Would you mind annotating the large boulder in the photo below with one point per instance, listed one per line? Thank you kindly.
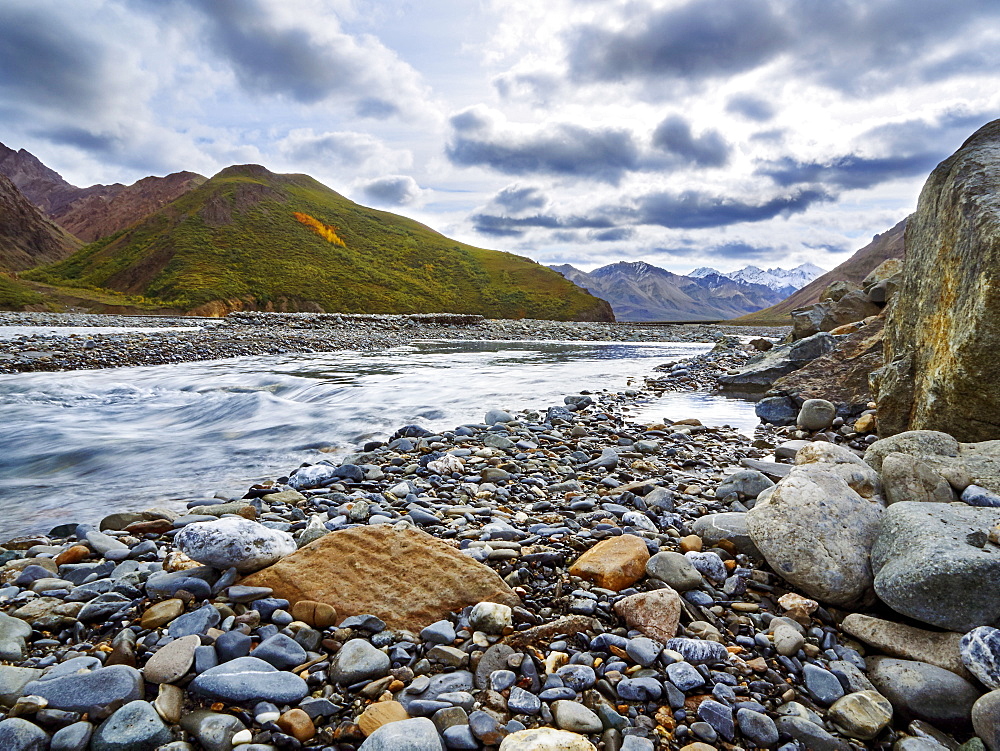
(407, 578)
(942, 344)
(841, 375)
(932, 562)
(920, 691)
(763, 370)
(816, 527)
(960, 464)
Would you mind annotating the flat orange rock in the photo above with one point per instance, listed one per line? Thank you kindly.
(657, 613)
(614, 563)
(403, 576)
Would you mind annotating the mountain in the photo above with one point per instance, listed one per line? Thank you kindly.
(643, 292)
(887, 245)
(785, 281)
(101, 213)
(250, 239)
(27, 238)
(94, 212)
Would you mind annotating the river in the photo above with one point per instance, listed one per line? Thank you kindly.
(78, 445)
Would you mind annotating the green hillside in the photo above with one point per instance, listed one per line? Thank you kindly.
(236, 242)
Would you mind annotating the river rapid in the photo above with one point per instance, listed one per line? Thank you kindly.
(75, 446)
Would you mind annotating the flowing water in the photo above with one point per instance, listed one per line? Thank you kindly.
(75, 446)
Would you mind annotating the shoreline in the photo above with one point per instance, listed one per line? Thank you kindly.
(220, 339)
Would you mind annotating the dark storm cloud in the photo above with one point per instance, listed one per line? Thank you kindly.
(81, 138)
(47, 63)
(674, 136)
(616, 234)
(696, 210)
(751, 107)
(702, 39)
(848, 172)
(396, 190)
(741, 250)
(855, 47)
(509, 226)
(268, 59)
(604, 154)
(516, 199)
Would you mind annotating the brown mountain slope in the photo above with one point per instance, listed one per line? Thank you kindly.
(882, 247)
(27, 238)
(94, 212)
(102, 213)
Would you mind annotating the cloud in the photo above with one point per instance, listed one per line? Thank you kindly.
(483, 138)
(848, 172)
(698, 210)
(698, 40)
(674, 136)
(615, 234)
(392, 190)
(515, 198)
(751, 107)
(505, 226)
(342, 151)
(304, 56)
(853, 47)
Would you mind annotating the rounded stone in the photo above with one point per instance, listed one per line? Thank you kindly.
(674, 569)
(356, 661)
(417, 734)
(986, 719)
(816, 414)
(920, 691)
(491, 617)
(545, 739)
(234, 543)
(134, 727)
(18, 734)
(863, 714)
(573, 716)
(172, 661)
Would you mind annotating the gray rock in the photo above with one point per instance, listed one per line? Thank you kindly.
(213, 730)
(816, 531)
(684, 675)
(196, 622)
(249, 679)
(573, 716)
(730, 525)
(765, 369)
(810, 735)
(908, 478)
(98, 692)
(699, 650)
(926, 568)
(171, 661)
(72, 737)
(134, 727)
(281, 651)
(816, 414)
(777, 410)
(748, 483)
(674, 569)
(980, 650)
(101, 543)
(660, 498)
(821, 684)
(418, 734)
(863, 714)
(17, 734)
(975, 495)
(497, 415)
(986, 719)
(920, 691)
(234, 543)
(358, 660)
(923, 444)
(13, 680)
(757, 727)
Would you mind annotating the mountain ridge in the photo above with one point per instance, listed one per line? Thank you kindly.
(639, 291)
(236, 242)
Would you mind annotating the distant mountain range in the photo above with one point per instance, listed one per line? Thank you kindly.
(640, 291)
(785, 281)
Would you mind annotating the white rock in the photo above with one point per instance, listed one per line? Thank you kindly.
(230, 542)
(491, 617)
(545, 739)
(242, 738)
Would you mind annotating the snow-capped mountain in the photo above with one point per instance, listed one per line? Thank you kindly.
(785, 281)
(640, 291)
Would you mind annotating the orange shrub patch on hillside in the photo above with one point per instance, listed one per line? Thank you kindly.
(325, 231)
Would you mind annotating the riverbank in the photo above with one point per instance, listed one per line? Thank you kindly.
(270, 335)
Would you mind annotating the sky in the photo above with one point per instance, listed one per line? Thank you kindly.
(682, 133)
